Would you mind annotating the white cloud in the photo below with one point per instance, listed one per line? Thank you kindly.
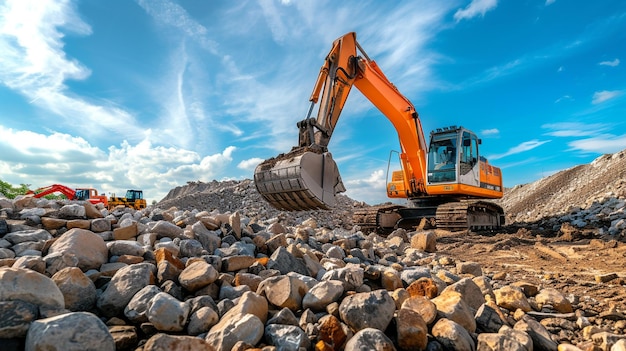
(171, 14)
(563, 98)
(489, 132)
(274, 20)
(250, 164)
(40, 160)
(550, 2)
(475, 8)
(523, 147)
(602, 144)
(494, 73)
(372, 190)
(604, 95)
(613, 63)
(573, 129)
(34, 64)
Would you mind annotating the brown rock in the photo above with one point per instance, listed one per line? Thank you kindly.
(197, 275)
(332, 332)
(529, 289)
(164, 254)
(125, 336)
(554, 298)
(452, 306)
(251, 280)
(78, 223)
(237, 262)
(129, 259)
(425, 241)
(422, 306)
(424, 286)
(603, 278)
(390, 280)
(91, 211)
(284, 291)
(165, 342)
(79, 292)
(53, 223)
(125, 233)
(411, 329)
(512, 298)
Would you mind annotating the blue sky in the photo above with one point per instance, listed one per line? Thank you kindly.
(151, 94)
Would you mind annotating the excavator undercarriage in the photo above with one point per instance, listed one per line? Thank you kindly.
(452, 216)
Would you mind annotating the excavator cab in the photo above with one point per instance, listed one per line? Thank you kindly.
(82, 194)
(442, 156)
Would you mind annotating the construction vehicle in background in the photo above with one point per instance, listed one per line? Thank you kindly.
(134, 199)
(445, 183)
(79, 194)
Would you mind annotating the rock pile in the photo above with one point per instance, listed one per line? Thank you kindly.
(585, 196)
(242, 196)
(77, 277)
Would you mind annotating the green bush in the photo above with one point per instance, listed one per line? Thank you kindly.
(10, 192)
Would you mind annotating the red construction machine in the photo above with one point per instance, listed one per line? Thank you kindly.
(79, 194)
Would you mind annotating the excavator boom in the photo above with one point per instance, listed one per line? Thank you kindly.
(307, 177)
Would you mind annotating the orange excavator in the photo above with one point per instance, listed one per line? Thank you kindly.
(445, 184)
(80, 194)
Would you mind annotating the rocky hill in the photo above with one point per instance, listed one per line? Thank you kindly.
(592, 194)
(242, 196)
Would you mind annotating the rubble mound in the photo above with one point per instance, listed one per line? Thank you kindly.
(585, 195)
(241, 196)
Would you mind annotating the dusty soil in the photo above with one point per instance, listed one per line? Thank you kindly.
(573, 267)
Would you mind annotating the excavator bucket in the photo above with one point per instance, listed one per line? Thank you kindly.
(298, 181)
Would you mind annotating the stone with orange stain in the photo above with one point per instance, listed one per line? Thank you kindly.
(423, 287)
(332, 333)
(263, 260)
(163, 254)
(130, 259)
(323, 346)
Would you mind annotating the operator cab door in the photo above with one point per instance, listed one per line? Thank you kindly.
(469, 167)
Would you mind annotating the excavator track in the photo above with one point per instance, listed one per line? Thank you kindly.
(452, 216)
(378, 219)
(466, 215)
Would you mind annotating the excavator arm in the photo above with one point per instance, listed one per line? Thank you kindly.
(47, 190)
(307, 177)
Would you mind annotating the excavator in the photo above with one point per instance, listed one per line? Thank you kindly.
(447, 184)
(80, 194)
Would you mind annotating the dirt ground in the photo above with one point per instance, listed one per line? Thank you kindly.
(579, 267)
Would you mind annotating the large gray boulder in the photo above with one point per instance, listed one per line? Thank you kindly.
(89, 248)
(76, 331)
(368, 310)
(29, 286)
(123, 286)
